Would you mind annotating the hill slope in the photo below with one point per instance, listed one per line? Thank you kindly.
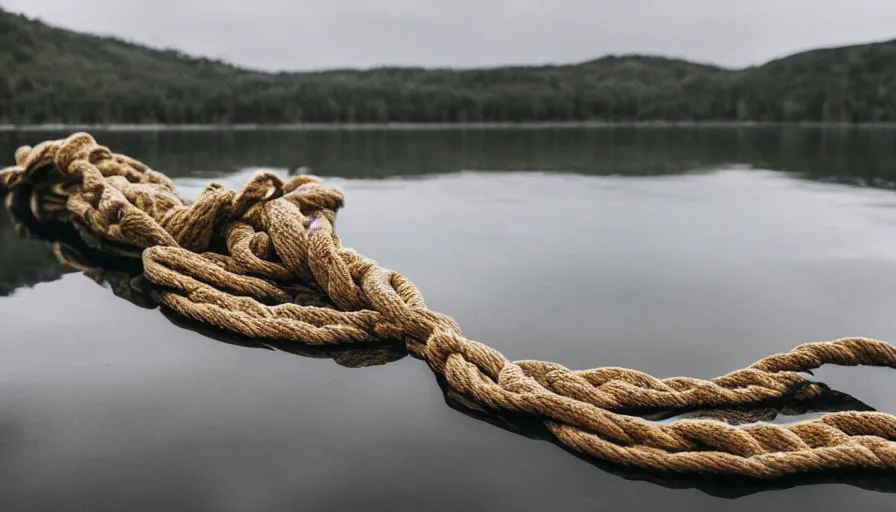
(55, 75)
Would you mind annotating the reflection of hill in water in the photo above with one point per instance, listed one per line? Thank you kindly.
(846, 153)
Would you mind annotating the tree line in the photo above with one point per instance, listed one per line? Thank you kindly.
(58, 76)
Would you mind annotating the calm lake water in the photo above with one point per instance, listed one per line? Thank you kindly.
(676, 251)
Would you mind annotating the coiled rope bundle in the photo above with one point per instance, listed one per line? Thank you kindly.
(266, 263)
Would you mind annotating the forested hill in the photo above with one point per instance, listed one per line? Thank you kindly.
(50, 75)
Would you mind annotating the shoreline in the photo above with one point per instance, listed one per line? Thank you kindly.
(297, 127)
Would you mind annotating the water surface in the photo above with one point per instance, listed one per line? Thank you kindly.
(676, 251)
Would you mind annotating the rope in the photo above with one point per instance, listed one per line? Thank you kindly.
(39, 220)
(244, 261)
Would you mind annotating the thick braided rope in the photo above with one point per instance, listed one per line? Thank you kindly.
(244, 261)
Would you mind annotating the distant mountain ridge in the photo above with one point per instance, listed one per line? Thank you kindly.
(52, 75)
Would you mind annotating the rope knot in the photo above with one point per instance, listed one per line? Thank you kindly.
(77, 147)
(444, 344)
(263, 187)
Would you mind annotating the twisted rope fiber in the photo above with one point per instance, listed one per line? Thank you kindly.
(245, 261)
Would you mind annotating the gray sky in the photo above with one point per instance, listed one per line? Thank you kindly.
(315, 34)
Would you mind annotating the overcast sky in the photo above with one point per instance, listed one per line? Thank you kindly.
(315, 34)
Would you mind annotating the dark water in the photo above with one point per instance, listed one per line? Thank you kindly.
(673, 251)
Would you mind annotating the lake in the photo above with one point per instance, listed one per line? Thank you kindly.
(676, 251)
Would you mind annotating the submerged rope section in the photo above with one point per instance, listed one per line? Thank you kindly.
(265, 263)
